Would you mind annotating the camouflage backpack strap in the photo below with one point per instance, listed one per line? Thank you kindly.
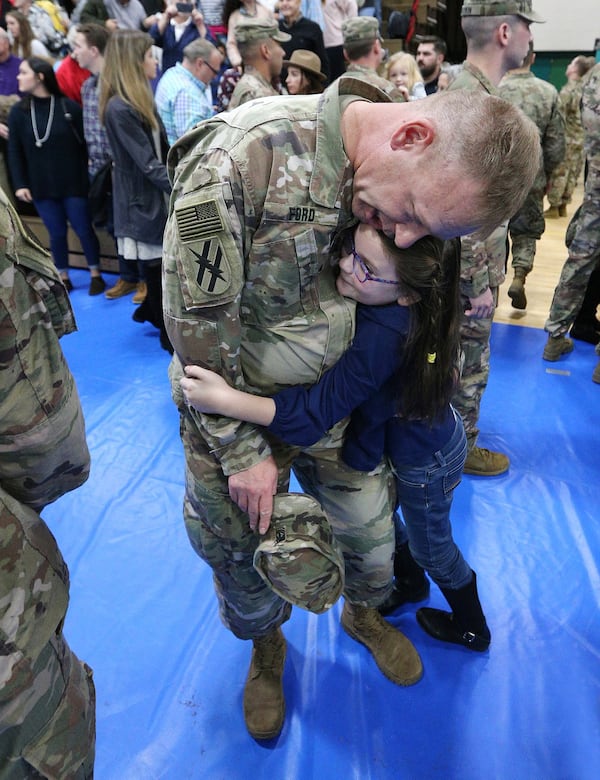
(20, 248)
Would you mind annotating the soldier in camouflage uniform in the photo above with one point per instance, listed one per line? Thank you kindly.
(364, 52)
(584, 248)
(47, 701)
(539, 100)
(498, 38)
(565, 177)
(262, 57)
(249, 291)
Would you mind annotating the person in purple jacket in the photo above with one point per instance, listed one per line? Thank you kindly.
(395, 380)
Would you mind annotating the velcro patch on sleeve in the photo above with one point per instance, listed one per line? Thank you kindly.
(210, 262)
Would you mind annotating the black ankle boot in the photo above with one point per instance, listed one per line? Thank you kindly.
(410, 582)
(465, 625)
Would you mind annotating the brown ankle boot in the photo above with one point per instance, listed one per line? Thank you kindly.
(516, 291)
(393, 653)
(552, 212)
(264, 704)
(562, 210)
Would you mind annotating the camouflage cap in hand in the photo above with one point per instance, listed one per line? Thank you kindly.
(501, 8)
(259, 30)
(360, 28)
(298, 557)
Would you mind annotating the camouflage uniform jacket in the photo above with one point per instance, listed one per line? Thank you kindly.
(43, 454)
(539, 101)
(569, 101)
(249, 87)
(372, 77)
(249, 288)
(590, 119)
(482, 262)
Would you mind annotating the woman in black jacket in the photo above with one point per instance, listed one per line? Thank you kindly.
(139, 145)
(47, 159)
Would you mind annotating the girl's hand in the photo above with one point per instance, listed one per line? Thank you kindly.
(204, 390)
(24, 194)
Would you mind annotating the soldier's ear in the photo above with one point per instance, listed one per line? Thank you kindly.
(413, 133)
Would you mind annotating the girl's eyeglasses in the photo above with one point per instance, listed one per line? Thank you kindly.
(360, 270)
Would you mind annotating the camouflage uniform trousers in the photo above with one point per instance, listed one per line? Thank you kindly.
(60, 746)
(525, 229)
(584, 255)
(359, 507)
(475, 344)
(564, 178)
(47, 695)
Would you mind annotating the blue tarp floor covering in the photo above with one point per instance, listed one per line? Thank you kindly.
(170, 677)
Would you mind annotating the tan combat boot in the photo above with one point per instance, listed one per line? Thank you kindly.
(552, 212)
(120, 289)
(485, 463)
(556, 346)
(393, 653)
(264, 705)
(562, 210)
(140, 293)
(516, 291)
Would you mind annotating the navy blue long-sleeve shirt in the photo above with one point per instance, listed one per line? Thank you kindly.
(364, 383)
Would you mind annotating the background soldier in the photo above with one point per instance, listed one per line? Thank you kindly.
(47, 702)
(498, 37)
(364, 52)
(584, 248)
(262, 59)
(565, 177)
(539, 100)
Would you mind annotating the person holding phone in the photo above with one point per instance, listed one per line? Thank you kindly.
(180, 24)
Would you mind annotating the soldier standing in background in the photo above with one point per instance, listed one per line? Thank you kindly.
(584, 248)
(498, 38)
(364, 52)
(565, 177)
(47, 699)
(539, 101)
(262, 60)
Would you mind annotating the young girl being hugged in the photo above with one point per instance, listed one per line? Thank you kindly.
(402, 70)
(408, 307)
(139, 146)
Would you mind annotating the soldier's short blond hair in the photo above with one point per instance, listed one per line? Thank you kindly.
(493, 143)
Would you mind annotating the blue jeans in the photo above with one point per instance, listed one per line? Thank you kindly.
(54, 213)
(425, 496)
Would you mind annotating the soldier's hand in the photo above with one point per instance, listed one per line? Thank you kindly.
(253, 490)
(481, 307)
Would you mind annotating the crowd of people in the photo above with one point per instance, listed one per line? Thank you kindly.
(271, 180)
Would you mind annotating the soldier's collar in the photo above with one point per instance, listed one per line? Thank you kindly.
(331, 161)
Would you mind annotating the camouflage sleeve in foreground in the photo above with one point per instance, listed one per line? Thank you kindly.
(43, 451)
(47, 699)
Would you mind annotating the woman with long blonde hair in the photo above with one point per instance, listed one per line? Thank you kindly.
(140, 183)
